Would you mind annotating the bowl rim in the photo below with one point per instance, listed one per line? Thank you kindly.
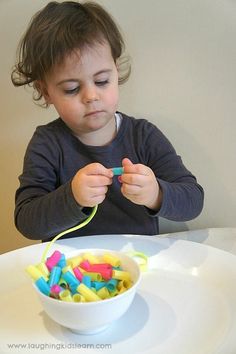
(93, 303)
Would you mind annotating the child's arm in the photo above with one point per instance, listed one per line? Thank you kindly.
(65, 206)
(178, 201)
(158, 175)
(45, 202)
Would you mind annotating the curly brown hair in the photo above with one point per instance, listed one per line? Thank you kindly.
(56, 31)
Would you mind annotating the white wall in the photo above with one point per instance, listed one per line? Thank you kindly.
(183, 80)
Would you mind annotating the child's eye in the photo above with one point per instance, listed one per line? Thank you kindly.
(71, 91)
(102, 83)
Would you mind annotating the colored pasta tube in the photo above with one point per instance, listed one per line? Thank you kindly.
(91, 258)
(104, 269)
(88, 294)
(124, 284)
(65, 295)
(73, 288)
(99, 267)
(98, 285)
(87, 281)
(120, 275)
(44, 270)
(103, 293)
(122, 290)
(67, 269)
(112, 284)
(117, 171)
(78, 273)
(43, 286)
(62, 283)
(53, 259)
(113, 293)
(70, 279)
(54, 276)
(34, 272)
(111, 259)
(94, 276)
(74, 261)
(62, 262)
(56, 289)
(78, 298)
(85, 265)
(106, 274)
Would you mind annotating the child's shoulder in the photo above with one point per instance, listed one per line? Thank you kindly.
(140, 124)
(54, 131)
(57, 124)
(54, 128)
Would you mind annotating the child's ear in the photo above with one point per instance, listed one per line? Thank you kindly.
(118, 69)
(41, 87)
(117, 65)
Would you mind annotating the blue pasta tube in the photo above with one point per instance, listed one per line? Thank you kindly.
(54, 276)
(70, 278)
(87, 281)
(112, 284)
(43, 286)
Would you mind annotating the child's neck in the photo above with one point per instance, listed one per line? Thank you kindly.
(100, 137)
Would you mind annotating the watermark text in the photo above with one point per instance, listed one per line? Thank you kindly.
(57, 346)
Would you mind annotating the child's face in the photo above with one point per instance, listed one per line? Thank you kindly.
(84, 90)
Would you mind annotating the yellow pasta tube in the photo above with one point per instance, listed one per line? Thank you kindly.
(34, 272)
(78, 298)
(122, 290)
(65, 295)
(74, 261)
(94, 276)
(120, 275)
(103, 293)
(62, 283)
(44, 270)
(67, 268)
(111, 259)
(124, 284)
(88, 294)
(91, 258)
(114, 293)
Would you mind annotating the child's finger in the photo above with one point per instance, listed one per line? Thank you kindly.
(130, 167)
(98, 180)
(127, 162)
(98, 169)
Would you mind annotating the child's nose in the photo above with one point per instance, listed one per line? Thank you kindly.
(90, 94)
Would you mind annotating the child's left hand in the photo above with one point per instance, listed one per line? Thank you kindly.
(140, 186)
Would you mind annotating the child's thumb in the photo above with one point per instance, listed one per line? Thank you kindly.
(126, 161)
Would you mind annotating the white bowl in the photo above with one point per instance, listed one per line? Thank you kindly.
(93, 317)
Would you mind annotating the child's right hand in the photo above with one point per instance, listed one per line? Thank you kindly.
(90, 184)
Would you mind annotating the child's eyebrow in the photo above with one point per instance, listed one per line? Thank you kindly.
(104, 71)
(67, 80)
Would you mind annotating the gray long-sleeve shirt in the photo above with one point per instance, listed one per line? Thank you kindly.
(45, 204)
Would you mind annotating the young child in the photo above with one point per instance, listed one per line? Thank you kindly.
(72, 54)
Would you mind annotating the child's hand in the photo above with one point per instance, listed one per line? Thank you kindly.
(90, 184)
(140, 186)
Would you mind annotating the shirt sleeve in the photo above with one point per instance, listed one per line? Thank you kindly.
(44, 206)
(183, 196)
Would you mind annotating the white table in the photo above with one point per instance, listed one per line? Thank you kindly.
(24, 327)
(222, 238)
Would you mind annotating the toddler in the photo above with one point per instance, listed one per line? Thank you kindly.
(73, 55)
